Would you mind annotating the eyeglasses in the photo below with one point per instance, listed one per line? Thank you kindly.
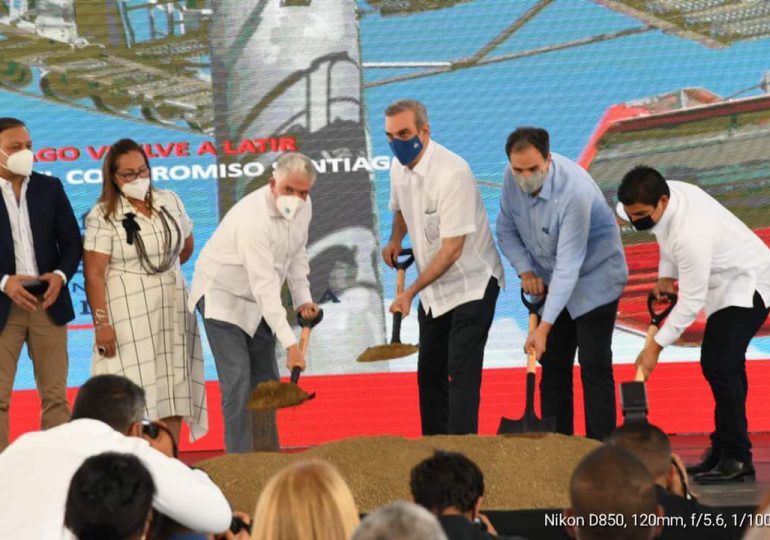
(130, 176)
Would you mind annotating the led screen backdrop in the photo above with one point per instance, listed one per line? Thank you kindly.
(217, 89)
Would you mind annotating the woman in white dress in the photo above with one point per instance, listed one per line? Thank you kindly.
(136, 239)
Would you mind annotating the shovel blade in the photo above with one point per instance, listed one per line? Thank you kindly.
(389, 351)
(529, 423)
(273, 395)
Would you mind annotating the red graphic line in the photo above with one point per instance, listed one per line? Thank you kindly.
(80, 326)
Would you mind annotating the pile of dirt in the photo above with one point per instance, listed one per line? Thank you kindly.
(275, 395)
(387, 352)
(522, 471)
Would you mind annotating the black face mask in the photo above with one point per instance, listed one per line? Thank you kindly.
(643, 224)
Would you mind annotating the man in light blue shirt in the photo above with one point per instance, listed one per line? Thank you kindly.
(556, 230)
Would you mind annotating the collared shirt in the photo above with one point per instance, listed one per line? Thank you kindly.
(439, 199)
(567, 235)
(21, 230)
(37, 468)
(243, 266)
(717, 259)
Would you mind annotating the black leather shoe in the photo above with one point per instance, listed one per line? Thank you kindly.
(727, 470)
(709, 460)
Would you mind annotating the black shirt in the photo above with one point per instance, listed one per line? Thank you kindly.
(691, 511)
(460, 528)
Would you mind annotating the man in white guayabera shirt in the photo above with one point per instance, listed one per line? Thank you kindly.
(722, 267)
(435, 199)
(260, 243)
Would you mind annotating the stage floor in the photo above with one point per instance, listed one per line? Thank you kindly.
(690, 448)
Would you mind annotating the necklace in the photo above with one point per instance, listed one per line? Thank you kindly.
(169, 253)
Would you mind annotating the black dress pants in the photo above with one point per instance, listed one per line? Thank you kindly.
(723, 362)
(449, 364)
(591, 335)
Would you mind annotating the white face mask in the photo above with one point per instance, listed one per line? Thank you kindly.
(20, 162)
(137, 189)
(531, 183)
(289, 205)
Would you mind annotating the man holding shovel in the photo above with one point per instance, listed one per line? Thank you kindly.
(556, 229)
(259, 244)
(434, 199)
(721, 267)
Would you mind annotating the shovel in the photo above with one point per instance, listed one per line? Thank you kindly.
(633, 395)
(529, 423)
(271, 395)
(656, 319)
(394, 349)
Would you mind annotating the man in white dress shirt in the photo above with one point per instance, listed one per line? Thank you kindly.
(721, 266)
(37, 468)
(434, 198)
(259, 244)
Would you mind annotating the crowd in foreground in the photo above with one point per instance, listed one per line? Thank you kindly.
(108, 474)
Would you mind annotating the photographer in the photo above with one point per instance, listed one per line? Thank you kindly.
(612, 497)
(451, 486)
(37, 469)
(653, 448)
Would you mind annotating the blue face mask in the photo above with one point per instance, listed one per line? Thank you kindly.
(406, 151)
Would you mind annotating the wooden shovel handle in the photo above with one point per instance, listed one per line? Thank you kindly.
(304, 339)
(531, 357)
(639, 375)
(400, 280)
(652, 330)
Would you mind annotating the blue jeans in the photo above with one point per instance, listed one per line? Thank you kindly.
(242, 362)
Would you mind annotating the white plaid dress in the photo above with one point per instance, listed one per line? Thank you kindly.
(158, 342)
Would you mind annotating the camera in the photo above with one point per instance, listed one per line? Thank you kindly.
(633, 400)
(150, 428)
(237, 525)
(478, 524)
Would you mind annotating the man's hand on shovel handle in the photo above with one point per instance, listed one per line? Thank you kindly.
(390, 253)
(531, 284)
(537, 340)
(308, 311)
(648, 359)
(664, 285)
(402, 304)
(295, 358)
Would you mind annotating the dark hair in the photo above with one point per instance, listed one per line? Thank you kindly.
(646, 442)
(419, 110)
(447, 479)
(110, 191)
(113, 399)
(611, 480)
(643, 185)
(524, 137)
(109, 498)
(8, 123)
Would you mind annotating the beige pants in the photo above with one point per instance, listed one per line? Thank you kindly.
(47, 345)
